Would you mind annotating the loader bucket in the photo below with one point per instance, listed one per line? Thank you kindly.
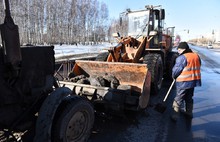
(135, 75)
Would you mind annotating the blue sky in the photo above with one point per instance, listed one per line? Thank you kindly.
(199, 16)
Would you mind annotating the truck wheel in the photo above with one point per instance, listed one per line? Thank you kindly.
(171, 59)
(73, 121)
(102, 56)
(155, 66)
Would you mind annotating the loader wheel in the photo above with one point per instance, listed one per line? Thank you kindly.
(102, 56)
(155, 66)
(73, 121)
(171, 59)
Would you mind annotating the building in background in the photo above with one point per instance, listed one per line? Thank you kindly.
(217, 36)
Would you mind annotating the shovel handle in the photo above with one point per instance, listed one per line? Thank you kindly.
(169, 90)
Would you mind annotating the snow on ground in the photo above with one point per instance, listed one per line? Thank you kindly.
(211, 54)
(62, 51)
(67, 50)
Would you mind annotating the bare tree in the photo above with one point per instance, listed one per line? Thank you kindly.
(59, 21)
(103, 27)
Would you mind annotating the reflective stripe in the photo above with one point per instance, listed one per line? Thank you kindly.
(191, 69)
(190, 75)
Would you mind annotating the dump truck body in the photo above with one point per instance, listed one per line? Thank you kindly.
(132, 92)
(18, 94)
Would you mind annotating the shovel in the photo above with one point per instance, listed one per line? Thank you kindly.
(161, 107)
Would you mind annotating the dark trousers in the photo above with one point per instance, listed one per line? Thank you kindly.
(184, 95)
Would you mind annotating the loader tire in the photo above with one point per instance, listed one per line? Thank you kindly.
(102, 56)
(170, 62)
(73, 121)
(155, 66)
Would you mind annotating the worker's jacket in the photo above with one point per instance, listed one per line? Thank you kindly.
(186, 71)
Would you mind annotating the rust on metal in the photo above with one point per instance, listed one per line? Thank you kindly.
(132, 74)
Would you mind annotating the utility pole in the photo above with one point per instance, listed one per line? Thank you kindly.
(213, 36)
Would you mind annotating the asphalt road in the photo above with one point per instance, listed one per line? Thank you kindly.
(152, 126)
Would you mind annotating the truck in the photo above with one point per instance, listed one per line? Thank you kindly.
(127, 75)
(32, 105)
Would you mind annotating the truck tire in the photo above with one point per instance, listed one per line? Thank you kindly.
(171, 59)
(102, 56)
(73, 121)
(155, 66)
(47, 112)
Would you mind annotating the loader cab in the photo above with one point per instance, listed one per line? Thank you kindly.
(157, 19)
(142, 22)
(138, 22)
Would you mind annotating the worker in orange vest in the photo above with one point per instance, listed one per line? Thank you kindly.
(186, 72)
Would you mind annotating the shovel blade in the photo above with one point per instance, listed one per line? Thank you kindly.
(160, 108)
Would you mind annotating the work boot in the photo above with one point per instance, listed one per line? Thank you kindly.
(175, 114)
(182, 108)
(189, 110)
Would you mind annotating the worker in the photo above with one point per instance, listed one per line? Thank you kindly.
(186, 72)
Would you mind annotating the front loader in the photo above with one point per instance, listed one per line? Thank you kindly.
(32, 106)
(147, 42)
(124, 77)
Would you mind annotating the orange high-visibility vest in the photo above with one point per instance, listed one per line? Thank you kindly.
(192, 70)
